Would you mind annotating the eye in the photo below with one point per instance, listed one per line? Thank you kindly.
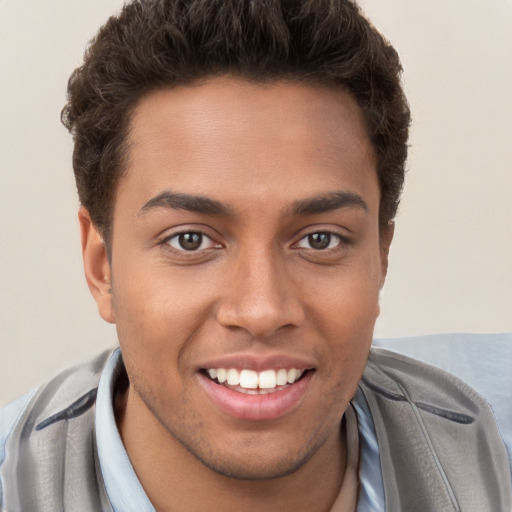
(320, 241)
(191, 241)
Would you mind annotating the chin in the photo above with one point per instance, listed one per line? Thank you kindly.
(255, 468)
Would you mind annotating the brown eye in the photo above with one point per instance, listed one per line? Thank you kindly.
(190, 241)
(319, 241)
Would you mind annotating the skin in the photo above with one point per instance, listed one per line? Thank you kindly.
(256, 286)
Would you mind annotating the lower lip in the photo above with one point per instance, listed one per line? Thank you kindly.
(265, 407)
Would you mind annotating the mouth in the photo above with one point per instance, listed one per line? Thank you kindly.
(247, 394)
(255, 383)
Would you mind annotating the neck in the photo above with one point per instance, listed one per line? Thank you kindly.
(176, 480)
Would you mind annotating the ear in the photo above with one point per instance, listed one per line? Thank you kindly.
(386, 237)
(96, 266)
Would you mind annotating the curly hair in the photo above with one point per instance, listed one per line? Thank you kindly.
(156, 44)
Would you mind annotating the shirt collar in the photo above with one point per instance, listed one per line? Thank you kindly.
(121, 483)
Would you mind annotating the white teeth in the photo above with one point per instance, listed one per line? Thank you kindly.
(249, 379)
(268, 379)
(293, 375)
(282, 377)
(233, 377)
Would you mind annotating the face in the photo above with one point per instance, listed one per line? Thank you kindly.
(246, 268)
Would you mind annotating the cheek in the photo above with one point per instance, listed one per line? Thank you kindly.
(158, 302)
(349, 334)
(158, 319)
(348, 303)
(345, 317)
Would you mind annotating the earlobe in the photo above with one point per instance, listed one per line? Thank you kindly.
(96, 265)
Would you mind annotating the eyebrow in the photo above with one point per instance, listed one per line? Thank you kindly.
(200, 204)
(192, 203)
(328, 203)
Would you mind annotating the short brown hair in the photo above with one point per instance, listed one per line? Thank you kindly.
(155, 44)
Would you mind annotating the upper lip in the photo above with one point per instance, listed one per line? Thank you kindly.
(257, 363)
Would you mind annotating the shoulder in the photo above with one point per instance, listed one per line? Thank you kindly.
(9, 416)
(434, 431)
(36, 429)
(481, 361)
(402, 378)
(59, 398)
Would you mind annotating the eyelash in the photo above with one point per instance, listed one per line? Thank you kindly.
(343, 242)
(166, 242)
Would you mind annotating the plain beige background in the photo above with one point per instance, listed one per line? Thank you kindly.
(451, 263)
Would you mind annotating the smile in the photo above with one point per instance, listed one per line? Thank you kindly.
(252, 395)
(252, 382)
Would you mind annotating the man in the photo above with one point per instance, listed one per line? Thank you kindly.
(239, 166)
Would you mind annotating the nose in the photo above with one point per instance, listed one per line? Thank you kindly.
(260, 296)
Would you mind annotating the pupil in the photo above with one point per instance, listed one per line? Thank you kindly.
(190, 241)
(319, 240)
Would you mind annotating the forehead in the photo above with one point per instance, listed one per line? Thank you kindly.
(230, 138)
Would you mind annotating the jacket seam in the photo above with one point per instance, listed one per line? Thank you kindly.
(431, 448)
